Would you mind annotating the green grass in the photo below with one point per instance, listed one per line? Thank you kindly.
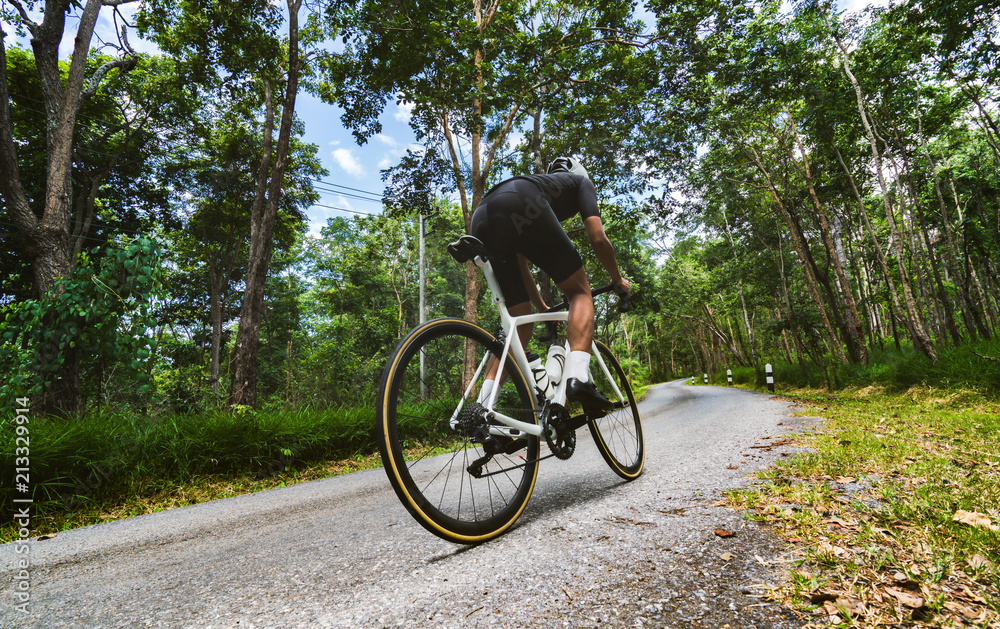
(892, 369)
(94, 469)
(879, 510)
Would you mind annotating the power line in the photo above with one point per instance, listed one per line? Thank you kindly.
(372, 197)
(319, 185)
(344, 209)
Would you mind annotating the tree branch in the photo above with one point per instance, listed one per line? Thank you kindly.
(10, 176)
(24, 16)
(993, 358)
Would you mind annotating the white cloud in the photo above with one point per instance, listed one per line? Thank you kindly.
(387, 140)
(392, 156)
(853, 6)
(514, 138)
(346, 160)
(403, 112)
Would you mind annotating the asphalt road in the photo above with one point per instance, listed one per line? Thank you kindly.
(589, 551)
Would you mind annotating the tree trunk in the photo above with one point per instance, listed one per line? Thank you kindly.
(480, 167)
(949, 250)
(919, 335)
(215, 301)
(879, 252)
(47, 239)
(243, 387)
(854, 329)
(792, 323)
(983, 329)
(800, 248)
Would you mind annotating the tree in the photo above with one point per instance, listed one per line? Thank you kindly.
(55, 212)
(48, 234)
(101, 313)
(474, 73)
(365, 296)
(919, 335)
(122, 131)
(213, 184)
(238, 39)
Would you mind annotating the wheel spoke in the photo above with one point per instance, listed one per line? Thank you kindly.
(430, 459)
(619, 433)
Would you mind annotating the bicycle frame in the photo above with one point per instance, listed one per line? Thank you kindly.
(514, 348)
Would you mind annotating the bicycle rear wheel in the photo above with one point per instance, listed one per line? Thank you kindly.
(456, 481)
(619, 433)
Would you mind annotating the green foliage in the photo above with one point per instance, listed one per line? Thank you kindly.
(120, 136)
(365, 296)
(101, 314)
(76, 461)
(895, 371)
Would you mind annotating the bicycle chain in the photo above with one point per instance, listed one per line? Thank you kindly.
(560, 437)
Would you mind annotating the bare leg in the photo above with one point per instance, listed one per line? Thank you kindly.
(580, 329)
(523, 332)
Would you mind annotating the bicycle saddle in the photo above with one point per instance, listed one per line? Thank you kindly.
(466, 248)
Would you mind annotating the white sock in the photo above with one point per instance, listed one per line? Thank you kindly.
(485, 391)
(578, 366)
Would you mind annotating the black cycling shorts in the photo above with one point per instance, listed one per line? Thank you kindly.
(515, 218)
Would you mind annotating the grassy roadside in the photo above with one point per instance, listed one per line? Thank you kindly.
(894, 515)
(147, 495)
(106, 468)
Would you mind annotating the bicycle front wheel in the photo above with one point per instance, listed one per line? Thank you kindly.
(458, 477)
(619, 433)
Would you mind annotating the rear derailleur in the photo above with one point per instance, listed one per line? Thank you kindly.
(473, 423)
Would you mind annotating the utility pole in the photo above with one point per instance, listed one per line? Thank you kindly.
(423, 310)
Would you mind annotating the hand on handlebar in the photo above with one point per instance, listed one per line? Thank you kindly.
(623, 290)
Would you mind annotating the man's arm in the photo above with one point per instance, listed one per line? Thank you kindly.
(603, 249)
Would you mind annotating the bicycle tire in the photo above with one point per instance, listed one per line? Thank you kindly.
(427, 460)
(618, 434)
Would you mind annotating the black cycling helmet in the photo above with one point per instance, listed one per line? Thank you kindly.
(567, 165)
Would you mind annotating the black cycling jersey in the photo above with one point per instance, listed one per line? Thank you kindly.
(568, 194)
(523, 215)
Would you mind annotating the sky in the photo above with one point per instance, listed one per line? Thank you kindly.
(354, 185)
(359, 166)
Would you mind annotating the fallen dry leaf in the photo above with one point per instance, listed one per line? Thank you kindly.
(823, 597)
(732, 467)
(852, 605)
(978, 561)
(568, 595)
(910, 600)
(827, 548)
(724, 533)
(973, 596)
(964, 610)
(973, 518)
(904, 581)
(839, 522)
(726, 556)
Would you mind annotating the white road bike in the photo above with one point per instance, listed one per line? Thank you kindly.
(465, 470)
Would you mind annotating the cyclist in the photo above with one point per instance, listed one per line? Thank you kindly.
(519, 220)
